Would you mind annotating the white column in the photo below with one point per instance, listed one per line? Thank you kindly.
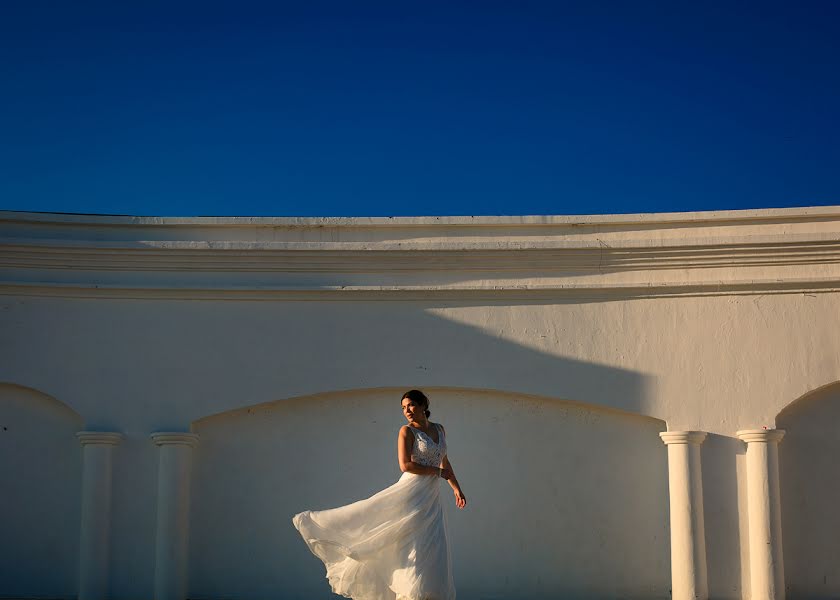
(173, 514)
(95, 527)
(767, 571)
(688, 534)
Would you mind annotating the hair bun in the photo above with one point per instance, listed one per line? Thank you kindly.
(428, 413)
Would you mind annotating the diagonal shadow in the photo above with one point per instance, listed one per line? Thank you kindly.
(298, 349)
(605, 471)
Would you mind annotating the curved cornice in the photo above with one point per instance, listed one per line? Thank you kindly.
(729, 252)
(762, 214)
(359, 257)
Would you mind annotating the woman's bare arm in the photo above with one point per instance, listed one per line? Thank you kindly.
(404, 446)
(449, 474)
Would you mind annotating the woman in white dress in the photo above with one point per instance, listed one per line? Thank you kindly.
(393, 545)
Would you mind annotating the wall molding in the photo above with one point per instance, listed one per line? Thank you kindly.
(409, 293)
(540, 258)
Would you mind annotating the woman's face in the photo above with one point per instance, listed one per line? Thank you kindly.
(413, 411)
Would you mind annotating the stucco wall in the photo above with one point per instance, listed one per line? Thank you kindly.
(40, 468)
(692, 362)
(554, 371)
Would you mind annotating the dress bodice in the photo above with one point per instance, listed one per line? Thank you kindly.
(426, 452)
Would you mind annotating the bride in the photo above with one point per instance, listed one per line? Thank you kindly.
(394, 544)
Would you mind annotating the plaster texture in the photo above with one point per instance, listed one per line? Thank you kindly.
(556, 350)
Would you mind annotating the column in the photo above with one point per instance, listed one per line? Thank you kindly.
(767, 572)
(95, 527)
(173, 514)
(688, 534)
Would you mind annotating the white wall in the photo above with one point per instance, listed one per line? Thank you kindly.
(692, 362)
(140, 366)
(39, 495)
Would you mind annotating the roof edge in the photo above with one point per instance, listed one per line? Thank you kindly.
(761, 214)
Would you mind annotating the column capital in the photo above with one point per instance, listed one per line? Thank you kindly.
(106, 438)
(761, 435)
(682, 437)
(162, 438)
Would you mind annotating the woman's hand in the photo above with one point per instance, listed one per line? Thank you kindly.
(460, 499)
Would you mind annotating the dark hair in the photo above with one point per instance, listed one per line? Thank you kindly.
(418, 398)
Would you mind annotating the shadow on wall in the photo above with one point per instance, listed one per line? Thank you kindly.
(294, 349)
(565, 500)
(253, 470)
(40, 469)
(810, 493)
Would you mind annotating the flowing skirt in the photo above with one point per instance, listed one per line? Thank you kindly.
(391, 546)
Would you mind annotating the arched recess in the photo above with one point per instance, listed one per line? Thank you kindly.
(565, 500)
(40, 467)
(810, 493)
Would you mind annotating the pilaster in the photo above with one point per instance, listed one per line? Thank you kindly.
(173, 505)
(95, 525)
(688, 535)
(767, 572)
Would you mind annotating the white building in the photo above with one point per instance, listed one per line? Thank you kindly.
(173, 390)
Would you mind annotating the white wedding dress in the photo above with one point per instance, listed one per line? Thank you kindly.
(393, 545)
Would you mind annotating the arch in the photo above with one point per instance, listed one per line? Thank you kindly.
(810, 493)
(430, 389)
(801, 403)
(48, 403)
(596, 481)
(40, 461)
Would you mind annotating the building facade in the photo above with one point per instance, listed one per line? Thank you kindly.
(637, 406)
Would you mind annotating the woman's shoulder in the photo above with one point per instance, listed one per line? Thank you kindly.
(406, 435)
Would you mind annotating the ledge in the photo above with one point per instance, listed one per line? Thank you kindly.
(809, 212)
(411, 293)
(586, 255)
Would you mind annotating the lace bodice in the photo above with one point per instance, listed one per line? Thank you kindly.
(425, 451)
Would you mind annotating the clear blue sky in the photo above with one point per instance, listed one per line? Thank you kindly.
(417, 108)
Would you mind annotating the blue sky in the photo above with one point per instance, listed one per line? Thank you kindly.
(418, 108)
